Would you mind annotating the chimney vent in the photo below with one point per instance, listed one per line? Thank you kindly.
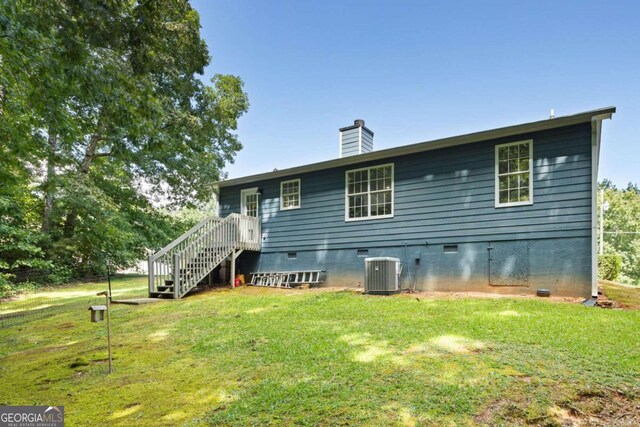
(355, 139)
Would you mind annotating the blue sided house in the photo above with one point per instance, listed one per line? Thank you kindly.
(508, 210)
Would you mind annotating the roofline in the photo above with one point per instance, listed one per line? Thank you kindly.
(587, 116)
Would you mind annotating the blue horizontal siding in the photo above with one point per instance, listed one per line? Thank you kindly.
(444, 195)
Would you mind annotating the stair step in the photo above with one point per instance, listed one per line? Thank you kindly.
(161, 294)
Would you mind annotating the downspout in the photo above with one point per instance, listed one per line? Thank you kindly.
(596, 132)
(595, 152)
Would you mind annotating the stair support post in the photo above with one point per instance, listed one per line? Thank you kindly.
(234, 255)
(176, 276)
(151, 275)
(232, 278)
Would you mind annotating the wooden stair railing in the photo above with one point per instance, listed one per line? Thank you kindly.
(180, 266)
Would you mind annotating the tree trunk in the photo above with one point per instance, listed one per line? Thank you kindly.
(49, 185)
(3, 94)
(89, 155)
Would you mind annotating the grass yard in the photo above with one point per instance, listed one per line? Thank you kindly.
(625, 295)
(257, 356)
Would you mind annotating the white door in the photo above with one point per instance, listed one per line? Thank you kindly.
(249, 202)
(250, 206)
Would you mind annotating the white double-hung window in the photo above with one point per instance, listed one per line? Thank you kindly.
(514, 180)
(369, 193)
(290, 194)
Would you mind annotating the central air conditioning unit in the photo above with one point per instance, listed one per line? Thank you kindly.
(382, 275)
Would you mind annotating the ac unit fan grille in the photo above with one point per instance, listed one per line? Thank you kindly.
(382, 275)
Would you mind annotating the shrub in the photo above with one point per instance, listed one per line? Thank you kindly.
(6, 290)
(59, 274)
(609, 266)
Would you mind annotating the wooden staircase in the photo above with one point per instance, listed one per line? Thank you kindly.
(180, 266)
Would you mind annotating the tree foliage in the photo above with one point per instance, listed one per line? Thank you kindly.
(609, 266)
(622, 227)
(103, 117)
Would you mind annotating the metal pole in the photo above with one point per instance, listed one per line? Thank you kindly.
(108, 298)
(109, 330)
(601, 251)
(109, 278)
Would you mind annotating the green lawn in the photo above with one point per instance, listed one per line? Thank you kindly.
(257, 356)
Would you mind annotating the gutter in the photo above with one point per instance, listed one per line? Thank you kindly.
(596, 135)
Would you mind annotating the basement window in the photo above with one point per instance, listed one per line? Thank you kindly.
(290, 194)
(514, 183)
(292, 255)
(363, 252)
(450, 249)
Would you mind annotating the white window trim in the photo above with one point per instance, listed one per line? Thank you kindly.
(346, 194)
(497, 179)
(243, 205)
(282, 208)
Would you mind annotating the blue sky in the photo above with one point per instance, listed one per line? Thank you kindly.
(417, 71)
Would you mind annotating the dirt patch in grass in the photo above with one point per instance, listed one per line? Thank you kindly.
(604, 408)
(588, 408)
(420, 296)
(619, 296)
(605, 302)
(490, 411)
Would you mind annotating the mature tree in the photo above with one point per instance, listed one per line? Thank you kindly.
(101, 108)
(622, 227)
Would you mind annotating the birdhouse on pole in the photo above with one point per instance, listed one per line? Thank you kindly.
(97, 312)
